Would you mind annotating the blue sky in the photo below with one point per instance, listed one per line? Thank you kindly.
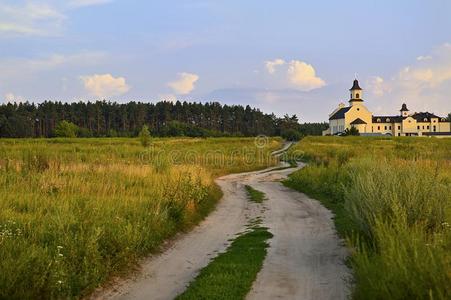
(281, 56)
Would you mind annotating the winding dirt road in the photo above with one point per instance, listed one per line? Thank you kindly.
(305, 257)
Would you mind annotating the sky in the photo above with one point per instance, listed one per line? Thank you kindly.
(295, 57)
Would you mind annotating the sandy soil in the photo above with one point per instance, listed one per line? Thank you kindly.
(305, 258)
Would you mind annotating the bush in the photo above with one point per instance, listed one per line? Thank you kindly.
(144, 136)
(66, 129)
(291, 135)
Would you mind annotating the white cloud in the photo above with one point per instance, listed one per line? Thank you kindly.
(298, 73)
(105, 85)
(30, 19)
(304, 76)
(423, 85)
(272, 64)
(421, 57)
(378, 86)
(18, 68)
(167, 97)
(38, 18)
(184, 84)
(80, 3)
(11, 98)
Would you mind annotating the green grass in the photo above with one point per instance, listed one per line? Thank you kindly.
(231, 274)
(392, 203)
(254, 195)
(74, 212)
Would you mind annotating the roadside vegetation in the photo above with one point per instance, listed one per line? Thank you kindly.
(392, 202)
(254, 195)
(74, 212)
(231, 274)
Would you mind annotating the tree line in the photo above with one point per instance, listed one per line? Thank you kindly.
(111, 119)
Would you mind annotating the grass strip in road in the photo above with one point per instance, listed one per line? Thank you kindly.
(231, 274)
(255, 195)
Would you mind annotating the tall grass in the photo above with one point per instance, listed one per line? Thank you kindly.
(75, 212)
(392, 200)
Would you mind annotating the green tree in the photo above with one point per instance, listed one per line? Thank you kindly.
(66, 129)
(351, 131)
(144, 136)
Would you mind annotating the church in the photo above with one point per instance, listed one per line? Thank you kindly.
(404, 124)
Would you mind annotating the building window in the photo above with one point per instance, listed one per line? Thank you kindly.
(357, 95)
(378, 128)
(435, 129)
(418, 127)
(378, 120)
(385, 127)
(389, 127)
(388, 120)
(358, 109)
(423, 126)
(399, 134)
(428, 127)
(425, 119)
(434, 121)
(399, 127)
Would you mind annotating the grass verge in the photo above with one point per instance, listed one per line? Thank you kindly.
(231, 274)
(254, 195)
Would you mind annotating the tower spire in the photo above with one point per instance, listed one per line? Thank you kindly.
(356, 92)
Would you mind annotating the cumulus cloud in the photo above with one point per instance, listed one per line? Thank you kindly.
(272, 64)
(12, 98)
(298, 73)
(304, 76)
(105, 85)
(184, 84)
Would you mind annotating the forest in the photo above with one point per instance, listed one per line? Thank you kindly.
(112, 119)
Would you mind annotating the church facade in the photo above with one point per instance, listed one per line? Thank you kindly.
(404, 124)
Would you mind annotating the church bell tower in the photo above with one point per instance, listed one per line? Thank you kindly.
(356, 93)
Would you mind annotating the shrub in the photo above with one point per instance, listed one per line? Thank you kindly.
(144, 136)
(66, 129)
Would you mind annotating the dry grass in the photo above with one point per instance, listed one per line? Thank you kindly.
(75, 212)
(392, 200)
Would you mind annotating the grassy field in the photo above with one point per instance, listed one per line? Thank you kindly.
(74, 212)
(392, 201)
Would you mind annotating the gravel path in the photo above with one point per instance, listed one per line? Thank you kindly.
(305, 258)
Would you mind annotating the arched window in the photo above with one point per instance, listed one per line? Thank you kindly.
(378, 120)
(425, 119)
(387, 120)
(357, 95)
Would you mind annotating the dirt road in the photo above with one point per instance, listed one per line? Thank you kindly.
(305, 258)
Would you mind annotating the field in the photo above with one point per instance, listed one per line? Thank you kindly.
(392, 201)
(74, 212)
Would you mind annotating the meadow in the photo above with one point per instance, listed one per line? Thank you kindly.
(75, 212)
(392, 203)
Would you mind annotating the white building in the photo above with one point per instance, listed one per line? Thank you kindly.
(405, 124)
